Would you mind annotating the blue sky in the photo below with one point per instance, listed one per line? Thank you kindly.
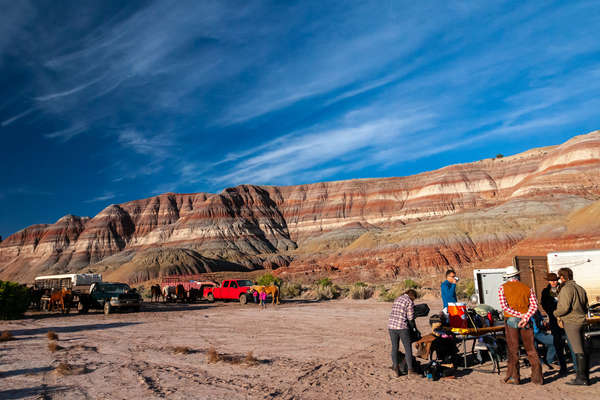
(104, 103)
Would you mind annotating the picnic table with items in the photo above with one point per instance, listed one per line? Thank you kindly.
(479, 325)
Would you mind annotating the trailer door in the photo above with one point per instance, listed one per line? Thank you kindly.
(490, 283)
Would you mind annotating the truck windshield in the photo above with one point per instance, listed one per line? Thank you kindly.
(244, 282)
(114, 288)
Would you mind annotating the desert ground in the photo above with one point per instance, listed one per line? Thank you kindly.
(301, 350)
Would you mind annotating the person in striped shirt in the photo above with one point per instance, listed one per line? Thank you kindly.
(519, 303)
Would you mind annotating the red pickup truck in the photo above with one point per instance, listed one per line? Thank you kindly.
(230, 289)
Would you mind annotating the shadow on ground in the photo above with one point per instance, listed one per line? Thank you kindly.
(41, 392)
(25, 371)
(74, 328)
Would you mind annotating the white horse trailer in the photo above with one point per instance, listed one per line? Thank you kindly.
(487, 284)
(586, 269)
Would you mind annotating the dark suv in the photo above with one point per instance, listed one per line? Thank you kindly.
(110, 296)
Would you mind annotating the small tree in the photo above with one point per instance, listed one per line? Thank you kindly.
(14, 300)
(268, 280)
(499, 155)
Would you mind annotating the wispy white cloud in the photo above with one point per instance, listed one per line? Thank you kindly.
(69, 92)
(68, 133)
(158, 146)
(17, 117)
(103, 197)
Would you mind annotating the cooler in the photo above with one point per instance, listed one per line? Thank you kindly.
(457, 314)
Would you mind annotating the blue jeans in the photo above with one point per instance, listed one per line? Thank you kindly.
(548, 341)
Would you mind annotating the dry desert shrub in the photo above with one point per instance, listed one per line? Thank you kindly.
(182, 350)
(361, 291)
(250, 359)
(53, 346)
(212, 356)
(6, 336)
(52, 335)
(70, 369)
(290, 290)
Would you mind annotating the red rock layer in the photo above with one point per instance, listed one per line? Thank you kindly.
(458, 215)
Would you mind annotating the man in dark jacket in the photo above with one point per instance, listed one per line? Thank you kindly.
(572, 308)
(549, 301)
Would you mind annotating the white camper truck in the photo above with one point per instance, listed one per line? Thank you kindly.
(586, 269)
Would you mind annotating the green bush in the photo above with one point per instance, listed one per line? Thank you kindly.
(398, 290)
(290, 290)
(410, 284)
(324, 282)
(14, 300)
(465, 288)
(268, 280)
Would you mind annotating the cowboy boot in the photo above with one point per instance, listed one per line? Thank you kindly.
(580, 379)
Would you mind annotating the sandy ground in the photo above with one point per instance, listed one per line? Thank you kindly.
(305, 350)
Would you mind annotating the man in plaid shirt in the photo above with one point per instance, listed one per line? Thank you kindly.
(402, 320)
(519, 303)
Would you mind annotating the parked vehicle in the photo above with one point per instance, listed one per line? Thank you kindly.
(108, 296)
(43, 286)
(584, 263)
(487, 284)
(586, 269)
(230, 289)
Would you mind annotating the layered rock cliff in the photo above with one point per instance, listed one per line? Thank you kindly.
(461, 215)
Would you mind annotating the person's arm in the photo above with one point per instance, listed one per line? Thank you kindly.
(533, 306)
(410, 312)
(504, 304)
(564, 302)
(444, 289)
(547, 301)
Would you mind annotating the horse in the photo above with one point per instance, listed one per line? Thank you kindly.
(155, 293)
(35, 298)
(180, 293)
(194, 294)
(167, 291)
(62, 298)
(272, 291)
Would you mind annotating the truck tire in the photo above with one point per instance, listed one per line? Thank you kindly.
(243, 298)
(137, 308)
(210, 298)
(107, 308)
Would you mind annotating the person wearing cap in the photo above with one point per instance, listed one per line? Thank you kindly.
(549, 302)
(572, 308)
(519, 303)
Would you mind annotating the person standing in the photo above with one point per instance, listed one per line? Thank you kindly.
(549, 302)
(401, 321)
(519, 303)
(572, 308)
(263, 298)
(448, 289)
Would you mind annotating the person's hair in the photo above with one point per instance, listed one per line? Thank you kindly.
(566, 274)
(412, 293)
(450, 271)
